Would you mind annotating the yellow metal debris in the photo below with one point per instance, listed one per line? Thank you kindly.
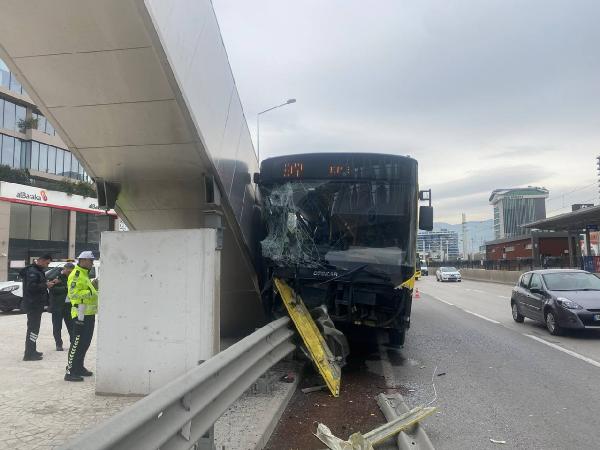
(358, 441)
(314, 341)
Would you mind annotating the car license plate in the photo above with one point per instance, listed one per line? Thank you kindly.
(597, 317)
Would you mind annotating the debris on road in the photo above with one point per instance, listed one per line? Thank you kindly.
(355, 442)
(414, 437)
(441, 374)
(288, 378)
(313, 389)
(358, 441)
(496, 441)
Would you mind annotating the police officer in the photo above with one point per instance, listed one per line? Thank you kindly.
(35, 297)
(84, 306)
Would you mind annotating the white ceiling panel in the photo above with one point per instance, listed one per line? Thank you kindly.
(97, 78)
(70, 26)
(143, 123)
(146, 162)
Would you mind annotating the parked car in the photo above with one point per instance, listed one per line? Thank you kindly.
(11, 295)
(448, 274)
(560, 298)
(424, 270)
(11, 292)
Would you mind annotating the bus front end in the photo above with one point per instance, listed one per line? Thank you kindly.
(341, 230)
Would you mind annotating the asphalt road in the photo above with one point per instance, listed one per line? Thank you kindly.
(498, 382)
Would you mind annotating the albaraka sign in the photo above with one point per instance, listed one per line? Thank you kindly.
(30, 195)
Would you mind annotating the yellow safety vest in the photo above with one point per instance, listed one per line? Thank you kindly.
(81, 290)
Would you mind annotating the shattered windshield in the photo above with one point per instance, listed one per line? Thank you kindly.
(317, 222)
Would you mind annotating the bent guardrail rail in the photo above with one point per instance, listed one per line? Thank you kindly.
(177, 415)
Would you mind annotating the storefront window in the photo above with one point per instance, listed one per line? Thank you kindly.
(59, 230)
(19, 221)
(1, 113)
(40, 223)
(90, 226)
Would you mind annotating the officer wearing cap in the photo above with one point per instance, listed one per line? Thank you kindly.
(84, 305)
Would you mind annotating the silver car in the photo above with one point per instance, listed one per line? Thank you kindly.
(448, 274)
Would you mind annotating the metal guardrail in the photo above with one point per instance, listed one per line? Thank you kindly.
(177, 415)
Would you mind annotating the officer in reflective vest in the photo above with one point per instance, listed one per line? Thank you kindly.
(84, 301)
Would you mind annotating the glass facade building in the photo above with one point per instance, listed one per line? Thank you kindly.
(439, 245)
(9, 81)
(40, 221)
(514, 208)
(24, 152)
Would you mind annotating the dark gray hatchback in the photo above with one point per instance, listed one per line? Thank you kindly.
(560, 298)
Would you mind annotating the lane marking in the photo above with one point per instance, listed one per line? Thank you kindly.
(504, 296)
(564, 350)
(439, 299)
(466, 310)
(444, 301)
(481, 317)
(479, 291)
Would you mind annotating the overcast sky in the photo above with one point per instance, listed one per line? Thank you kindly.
(484, 94)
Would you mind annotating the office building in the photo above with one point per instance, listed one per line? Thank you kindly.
(36, 215)
(516, 207)
(439, 245)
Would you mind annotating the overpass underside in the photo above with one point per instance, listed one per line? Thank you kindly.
(143, 95)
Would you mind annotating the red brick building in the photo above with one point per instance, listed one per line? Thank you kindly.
(533, 246)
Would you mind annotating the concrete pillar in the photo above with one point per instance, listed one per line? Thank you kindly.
(535, 246)
(4, 237)
(571, 255)
(588, 244)
(72, 234)
(158, 311)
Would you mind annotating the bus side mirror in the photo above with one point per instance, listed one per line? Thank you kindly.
(426, 218)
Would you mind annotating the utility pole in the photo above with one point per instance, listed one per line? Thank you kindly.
(464, 237)
(598, 168)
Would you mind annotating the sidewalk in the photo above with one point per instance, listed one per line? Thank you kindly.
(38, 409)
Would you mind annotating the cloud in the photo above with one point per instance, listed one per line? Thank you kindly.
(486, 180)
(462, 86)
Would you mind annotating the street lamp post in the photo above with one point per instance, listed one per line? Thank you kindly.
(289, 101)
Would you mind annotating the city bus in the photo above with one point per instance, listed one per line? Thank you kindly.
(340, 229)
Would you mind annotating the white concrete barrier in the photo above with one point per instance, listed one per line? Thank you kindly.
(158, 313)
(495, 276)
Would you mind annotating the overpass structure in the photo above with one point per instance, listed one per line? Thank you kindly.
(143, 94)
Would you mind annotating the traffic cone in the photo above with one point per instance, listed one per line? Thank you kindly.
(417, 295)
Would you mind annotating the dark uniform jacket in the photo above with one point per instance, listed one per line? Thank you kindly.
(58, 293)
(35, 292)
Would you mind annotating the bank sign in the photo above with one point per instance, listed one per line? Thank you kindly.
(30, 195)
